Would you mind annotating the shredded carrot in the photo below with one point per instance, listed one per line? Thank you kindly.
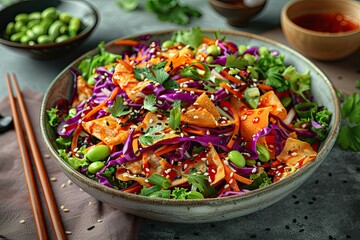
(242, 179)
(125, 64)
(182, 80)
(230, 89)
(208, 41)
(199, 66)
(264, 87)
(230, 179)
(194, 131)
(169, 65)
(193, 90)
(133, 189)
(165, 149)
(127, 42)
(135, 145)
(230, 77)
(236, 117)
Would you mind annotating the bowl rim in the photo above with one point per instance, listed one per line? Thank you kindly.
(83, 34)
(326, 145)
(231, 6)
(285, 16)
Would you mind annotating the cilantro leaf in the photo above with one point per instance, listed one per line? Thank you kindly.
(350, 108)
(192, 37)
(149, 103)
(179, 193)
(175, 115)
(157, 74)
(233, 62)
(161, 75)
(118, 109)
(349, 138)
(193, 72)
(143, 73)
(152, 134)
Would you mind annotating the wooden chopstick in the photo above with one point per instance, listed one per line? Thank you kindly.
(39, 165)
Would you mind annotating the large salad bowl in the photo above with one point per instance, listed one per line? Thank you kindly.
(208, 209)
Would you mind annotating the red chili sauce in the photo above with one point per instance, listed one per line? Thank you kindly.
(326, 22)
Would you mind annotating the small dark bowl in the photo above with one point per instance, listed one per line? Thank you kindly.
(77, 8)
(235, 11)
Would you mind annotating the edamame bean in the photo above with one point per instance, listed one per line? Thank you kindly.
(49, 13)
(16, 36)
(195, 195)
(167, 44)
(62, 38)
(25, 39)
(263, 50)
(65, 17)
(233, 71)
(95, 167)
(242, 49)
(209, 59)
(19, 26)
(74, 26)
(38, 30)
(22, 17)
(250, 162)
(264, 154)
(213, 50)
(31, 34)
(33, 22)
(42, 39)
(10, 28)
(97, 153)
(63, 29)
(237, 158)
(54, 29)
(249, 58)
(35, 16)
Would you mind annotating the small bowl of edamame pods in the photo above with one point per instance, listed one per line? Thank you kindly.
(47, 29)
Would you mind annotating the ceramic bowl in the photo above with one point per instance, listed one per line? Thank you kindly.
(77, 8)
(321, 45)
(198, 210)
(237, 12)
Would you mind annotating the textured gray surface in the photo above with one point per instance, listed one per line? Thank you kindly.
(327, 206)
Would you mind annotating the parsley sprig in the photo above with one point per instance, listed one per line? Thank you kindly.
(152, 134)
(118, 109)
(349, 135)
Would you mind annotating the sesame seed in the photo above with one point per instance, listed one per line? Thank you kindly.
(231, 174)
(22, 221)
(203, 159)
(90, 203)
(209, 179)
(167, 171)
(53, 179)
(207, 132)
(226, 186)
(243, 117)
(68, 232)
(100, 221)
(66, 210)
(46, 156)
(213, 171)
(294, 154)
(196, 117)
(63, 185)
(62, 207)
(231, 181)
(192, 137)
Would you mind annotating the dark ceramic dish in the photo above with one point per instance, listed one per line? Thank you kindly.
(78, 8)
(237, 13)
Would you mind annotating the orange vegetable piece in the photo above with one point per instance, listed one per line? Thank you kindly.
(269, 99)
(204, 101)
(216, 166)
(107, 129)
(295, 152)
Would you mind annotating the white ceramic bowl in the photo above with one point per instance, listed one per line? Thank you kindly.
(204, 210)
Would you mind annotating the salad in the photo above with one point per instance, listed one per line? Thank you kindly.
(189, 117)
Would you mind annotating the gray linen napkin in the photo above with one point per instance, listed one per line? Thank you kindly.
(87, 218)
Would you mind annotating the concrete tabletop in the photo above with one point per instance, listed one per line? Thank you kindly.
(327, 206)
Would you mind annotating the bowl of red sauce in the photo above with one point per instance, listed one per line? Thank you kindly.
(322, 29)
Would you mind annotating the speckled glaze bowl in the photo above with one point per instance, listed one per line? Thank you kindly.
(204, 210)
(78, 8)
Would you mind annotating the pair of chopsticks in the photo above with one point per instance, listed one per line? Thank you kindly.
(39, 165)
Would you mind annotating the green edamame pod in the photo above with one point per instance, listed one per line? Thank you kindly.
(10, 28)
(63, 29)
(264, 154)
(16, 36)
(167, 44)
(97, 153)
(50, 13)
(43, 39)
(213, 50)
(65, 17)
(31, 34)
(22, 17)
(61, 38)
(34, 16)
(237, 158)
(46, 24)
